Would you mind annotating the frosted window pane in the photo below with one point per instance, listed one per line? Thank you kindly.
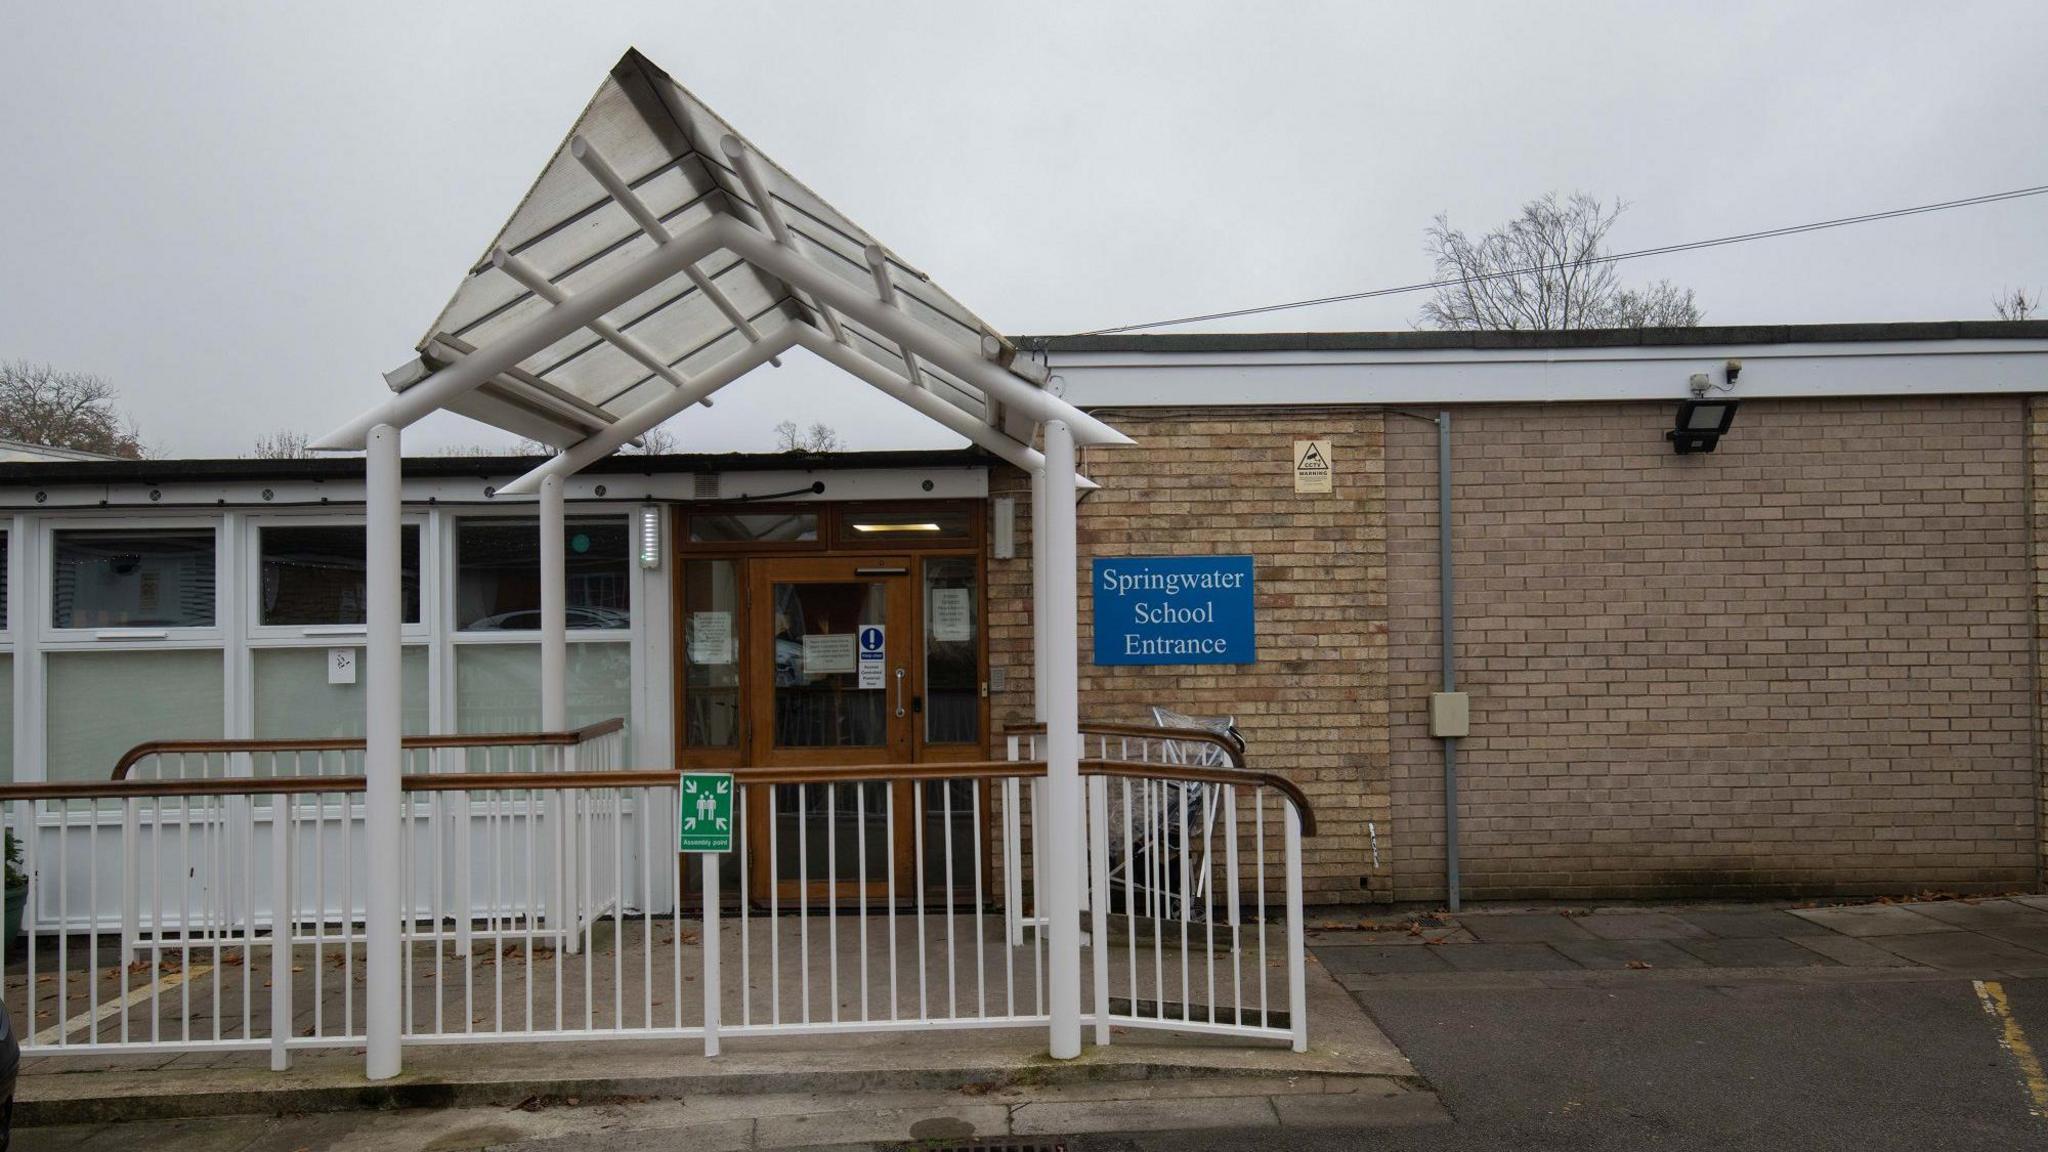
(6, 719)
(130, 578)
(100, 704)
(295, 701)
(497, 686)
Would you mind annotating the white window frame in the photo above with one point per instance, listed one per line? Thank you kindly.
(214, 634)
(325, 635)
(39, 641)
(449, 552)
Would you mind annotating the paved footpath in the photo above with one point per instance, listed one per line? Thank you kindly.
(1708, 1028)
(1731, 1027)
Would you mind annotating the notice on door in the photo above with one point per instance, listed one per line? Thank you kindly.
(952, 615)
(828, 655)
(874, 650)
(1313, 469)
(711, 638)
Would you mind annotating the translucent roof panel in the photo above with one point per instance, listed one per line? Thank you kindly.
(672, 152)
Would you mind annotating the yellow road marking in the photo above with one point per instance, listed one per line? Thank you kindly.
(49, 1037)
(1991, 994)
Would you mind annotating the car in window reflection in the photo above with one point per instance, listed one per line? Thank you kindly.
(529, 620)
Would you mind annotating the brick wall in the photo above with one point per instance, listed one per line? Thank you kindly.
(1801, 664)
(1220, 481)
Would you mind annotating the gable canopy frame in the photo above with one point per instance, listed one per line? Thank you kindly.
(574, 331)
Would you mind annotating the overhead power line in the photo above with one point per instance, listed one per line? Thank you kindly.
(1667, 249)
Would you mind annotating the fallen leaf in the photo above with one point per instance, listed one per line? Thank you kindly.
(1639, 963)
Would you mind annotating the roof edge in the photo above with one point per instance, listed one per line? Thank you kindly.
(443, 467)
(1422, 341)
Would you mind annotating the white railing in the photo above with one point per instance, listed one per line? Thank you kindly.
(1191, 858)
(552, 906)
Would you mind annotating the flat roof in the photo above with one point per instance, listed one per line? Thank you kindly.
(1422, 341)
(485, 467)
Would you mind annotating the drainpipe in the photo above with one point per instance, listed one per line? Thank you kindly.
(1446, 593)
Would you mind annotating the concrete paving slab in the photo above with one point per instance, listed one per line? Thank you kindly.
(1620, 924)
(1850, 951)
(2035, 939)
(1982, 915)
(2040, 902)
(1374, 961)
(959, 1121)
(1870, 920)
(1745, 923)
(1754, 952)
(1358, 937)
(1960, 952)
(1403, 1108)
(1506, 958)
(1050, 1118)
(1596, 953)
(1525, 928)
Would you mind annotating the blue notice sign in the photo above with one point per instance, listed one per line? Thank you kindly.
(1174, 610)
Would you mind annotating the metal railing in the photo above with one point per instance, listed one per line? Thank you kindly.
(1181, 863)
(551, 905)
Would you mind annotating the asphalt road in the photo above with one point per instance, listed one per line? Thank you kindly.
(1719, 1064)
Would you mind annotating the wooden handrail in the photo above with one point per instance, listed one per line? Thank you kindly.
(1144, 731)
(1209, 775)
(353, 743)
(645, 778)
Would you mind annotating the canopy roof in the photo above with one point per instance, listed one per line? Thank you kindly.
(660, 256)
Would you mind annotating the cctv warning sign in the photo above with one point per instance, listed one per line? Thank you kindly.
(1312, 467)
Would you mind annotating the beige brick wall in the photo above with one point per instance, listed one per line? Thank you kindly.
(1220, 481)
(2037, 519)
(1801, 664)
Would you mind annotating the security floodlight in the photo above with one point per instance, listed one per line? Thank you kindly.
(1701, 424)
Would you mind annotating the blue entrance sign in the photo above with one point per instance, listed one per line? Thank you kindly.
(1174, 610)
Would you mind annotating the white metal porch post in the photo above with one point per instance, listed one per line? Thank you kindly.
(1038, 584)
(554, 691)
(1058, 663)
(383, 755)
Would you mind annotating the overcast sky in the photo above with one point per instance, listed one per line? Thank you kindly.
(242, 214)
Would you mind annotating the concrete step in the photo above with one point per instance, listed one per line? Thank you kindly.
(719, 1123)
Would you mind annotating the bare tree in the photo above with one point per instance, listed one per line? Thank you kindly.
(41, 405)
(657, 441)
(284, 444)
(819, 437)
(2015, 304)
(523, 448)
(1547, 268)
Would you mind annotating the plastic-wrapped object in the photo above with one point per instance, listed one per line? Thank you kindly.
(1201, 752)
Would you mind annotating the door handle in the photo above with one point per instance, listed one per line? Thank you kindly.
(899, 691)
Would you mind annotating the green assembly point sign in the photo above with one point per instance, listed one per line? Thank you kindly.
(704, 814)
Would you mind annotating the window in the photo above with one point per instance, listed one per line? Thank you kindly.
(497, 686)
(296, 698)
(753, 527)
(101, 704)
(497, 574)
(133, 578)
(952, 652)
(711, 654)
(3, 581)
(895, 526)
(6, 718)
(313, 574)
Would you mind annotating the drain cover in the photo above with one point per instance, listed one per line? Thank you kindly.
(989, 1144)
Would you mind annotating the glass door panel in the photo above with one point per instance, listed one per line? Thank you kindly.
(832, 687)
(822, 697)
